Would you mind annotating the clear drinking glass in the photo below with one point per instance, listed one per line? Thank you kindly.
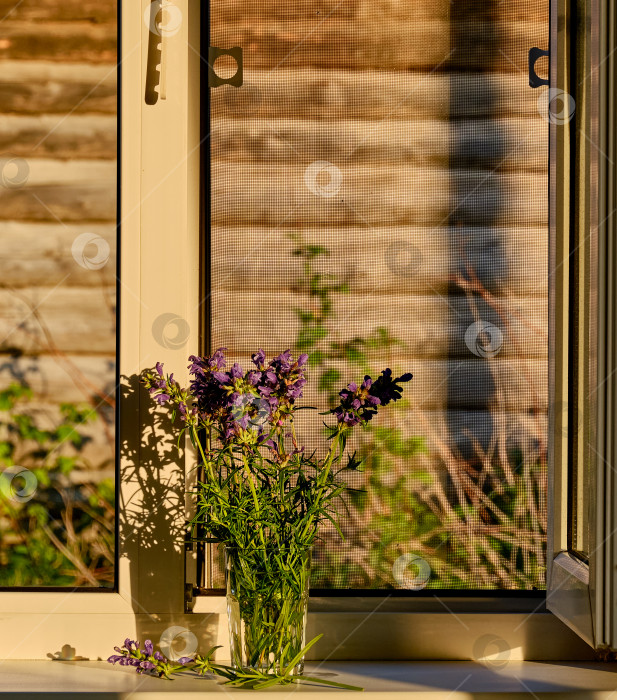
(267, 600)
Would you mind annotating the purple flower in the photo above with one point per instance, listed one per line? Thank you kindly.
(387, 389)
(146, 666)
(159, 657)
(162, 399)
(184, 660)
(259, 358)
(148, 647)
(359, 404)
(131, 645)
(115, 658)
(159, 368)
(236, 371)
(282, 362)
(243, 422)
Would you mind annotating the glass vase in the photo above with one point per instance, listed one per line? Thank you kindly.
(267, 599)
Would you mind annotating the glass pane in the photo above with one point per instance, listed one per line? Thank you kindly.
(58, 280)
(583, 418)
(380, 198)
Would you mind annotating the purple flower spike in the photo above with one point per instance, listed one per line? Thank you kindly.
(359, 404)
(259, 358)
(221, 377)
(218, 359)
(387, 389)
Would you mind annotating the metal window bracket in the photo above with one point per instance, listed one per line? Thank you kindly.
(237, 78)
(534, 54)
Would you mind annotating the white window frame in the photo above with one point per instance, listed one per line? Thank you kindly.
(159, 258)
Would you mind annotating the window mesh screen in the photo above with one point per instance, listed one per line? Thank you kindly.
(379, 198)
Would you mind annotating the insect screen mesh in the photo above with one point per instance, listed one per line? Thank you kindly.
(379, 198)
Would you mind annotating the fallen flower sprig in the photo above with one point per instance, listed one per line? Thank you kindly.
(155, 663)
(147, 660)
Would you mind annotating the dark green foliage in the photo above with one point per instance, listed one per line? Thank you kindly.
(63, 535)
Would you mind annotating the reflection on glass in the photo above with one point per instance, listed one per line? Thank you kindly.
(57, 291)
(379, 196)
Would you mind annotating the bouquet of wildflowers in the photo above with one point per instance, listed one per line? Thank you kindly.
(263, 495)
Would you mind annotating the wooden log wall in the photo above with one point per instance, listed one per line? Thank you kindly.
(58, 116)
(425, 111)
(382, 90)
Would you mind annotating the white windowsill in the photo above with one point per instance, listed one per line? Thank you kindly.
(36, 680)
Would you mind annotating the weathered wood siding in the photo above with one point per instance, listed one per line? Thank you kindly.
(58, 116)
(425, 111)
(387, 92)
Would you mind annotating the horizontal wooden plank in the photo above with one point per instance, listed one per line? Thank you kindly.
(379, 42)
(59, 41)
(420, 10)
(79, 320)
(46, 136)
(50, 254)
(438, 427)
(384, 95)
(515, 385)
(55, 382)
(302, 10)
(99, 11)
(96, 458)
(52, 384)
(511, 262)
(374, 196)
(48, 171)
(35, 87)
(427, 326)
(87, 203)
(58, 191)
(514, 144)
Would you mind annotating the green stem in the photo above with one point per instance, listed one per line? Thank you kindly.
(334, 448)
(196, 441)
(249, 475)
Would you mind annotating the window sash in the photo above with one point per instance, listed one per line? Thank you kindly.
(580, 592)
(159, 254)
